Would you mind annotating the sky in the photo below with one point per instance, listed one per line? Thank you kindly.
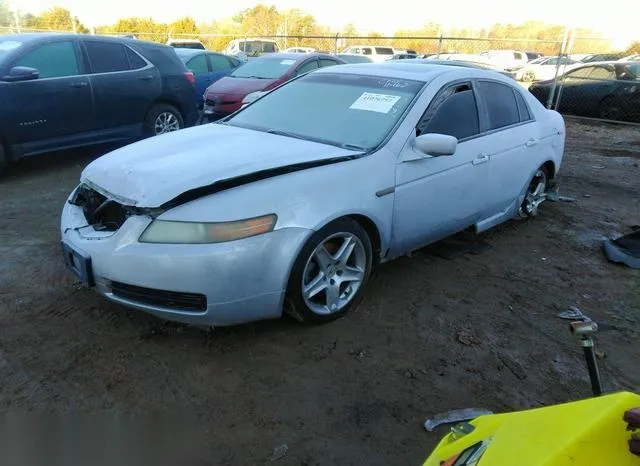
(619, 22)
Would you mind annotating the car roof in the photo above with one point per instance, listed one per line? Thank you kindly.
(294, 56)
(188, 53)
(186, 41)
(43, 36)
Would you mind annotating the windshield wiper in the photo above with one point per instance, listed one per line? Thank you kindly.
(285, 133)
(251, 77)
(353, 147)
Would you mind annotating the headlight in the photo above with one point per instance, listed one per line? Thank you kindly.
(173, 232)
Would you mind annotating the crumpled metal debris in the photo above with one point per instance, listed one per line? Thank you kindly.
(455, 416)
(573, 313)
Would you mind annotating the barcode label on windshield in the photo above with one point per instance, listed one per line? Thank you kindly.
(381, 103)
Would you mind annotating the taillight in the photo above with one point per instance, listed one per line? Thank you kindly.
(190, 77)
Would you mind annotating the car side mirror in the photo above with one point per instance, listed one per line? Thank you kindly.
(21, 73)
(436, 145)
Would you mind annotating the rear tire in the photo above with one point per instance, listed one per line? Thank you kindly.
(330, 274)
(161, 119)
(536, 193)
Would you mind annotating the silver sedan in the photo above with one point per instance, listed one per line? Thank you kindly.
(289, 203)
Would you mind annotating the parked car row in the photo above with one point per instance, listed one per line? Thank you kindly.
(289, 203)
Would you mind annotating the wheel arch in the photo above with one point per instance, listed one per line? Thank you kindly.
(167, 100)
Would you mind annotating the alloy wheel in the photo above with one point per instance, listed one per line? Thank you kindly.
(166, 122)
(334, 273)
(536, 195)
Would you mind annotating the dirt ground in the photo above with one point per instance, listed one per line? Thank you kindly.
(433, 334)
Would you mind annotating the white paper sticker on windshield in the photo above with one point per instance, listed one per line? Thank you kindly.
(287, 62)
(381, 103)
(10, 45)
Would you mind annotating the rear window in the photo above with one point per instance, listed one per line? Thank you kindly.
(264, 68)
(384, 51)
(188, 45)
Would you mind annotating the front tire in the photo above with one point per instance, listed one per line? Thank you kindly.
(161, 119)
(330, 273)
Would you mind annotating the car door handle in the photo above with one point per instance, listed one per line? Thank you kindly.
(78, 84)
(531, 142)
(146, 78)
(482, 158)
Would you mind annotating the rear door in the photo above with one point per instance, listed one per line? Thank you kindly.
(125, 85)
(512, 138)
(51, 111)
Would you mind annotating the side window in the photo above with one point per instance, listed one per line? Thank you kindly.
(517, 55)
(198, 64)
(269, 47)
(580, 73)
(366, 50)
(53, 60)
(454, 112)
(135, 62)
(306, 67)
(501, 104)
(356, 50)
(326, 62)
(106, 57)
(523, 109)
(219, 62)
(551, 61)
(600, 72)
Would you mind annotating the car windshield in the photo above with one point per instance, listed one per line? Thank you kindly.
(351, 111)
(7, 46)
(264, 68)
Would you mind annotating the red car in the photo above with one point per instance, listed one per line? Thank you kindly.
(260, 74)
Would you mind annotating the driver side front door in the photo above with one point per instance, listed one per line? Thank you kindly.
(438, 196)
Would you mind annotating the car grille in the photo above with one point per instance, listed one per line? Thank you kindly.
(186, 302)
(216, 102)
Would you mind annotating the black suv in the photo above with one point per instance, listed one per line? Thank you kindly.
(59, 91)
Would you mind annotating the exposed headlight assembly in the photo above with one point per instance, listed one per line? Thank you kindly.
(174, 232)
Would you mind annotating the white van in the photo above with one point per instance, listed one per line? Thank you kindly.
(251, 47)
(377, 53)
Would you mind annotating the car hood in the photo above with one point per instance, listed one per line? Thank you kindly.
(239, 86)
(155, 171)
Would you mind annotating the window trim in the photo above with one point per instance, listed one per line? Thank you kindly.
(88, 62)
(449, 85)
(296, 72)
(80, 60)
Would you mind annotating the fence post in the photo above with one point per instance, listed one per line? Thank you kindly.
(440, 44)
(335, 43)
(563, 46)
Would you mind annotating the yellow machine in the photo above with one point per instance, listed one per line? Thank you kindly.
(600, 431)
(590, 432)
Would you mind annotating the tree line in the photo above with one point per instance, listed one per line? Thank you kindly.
(294, 27)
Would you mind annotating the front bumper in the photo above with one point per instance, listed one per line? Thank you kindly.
(231, 283)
